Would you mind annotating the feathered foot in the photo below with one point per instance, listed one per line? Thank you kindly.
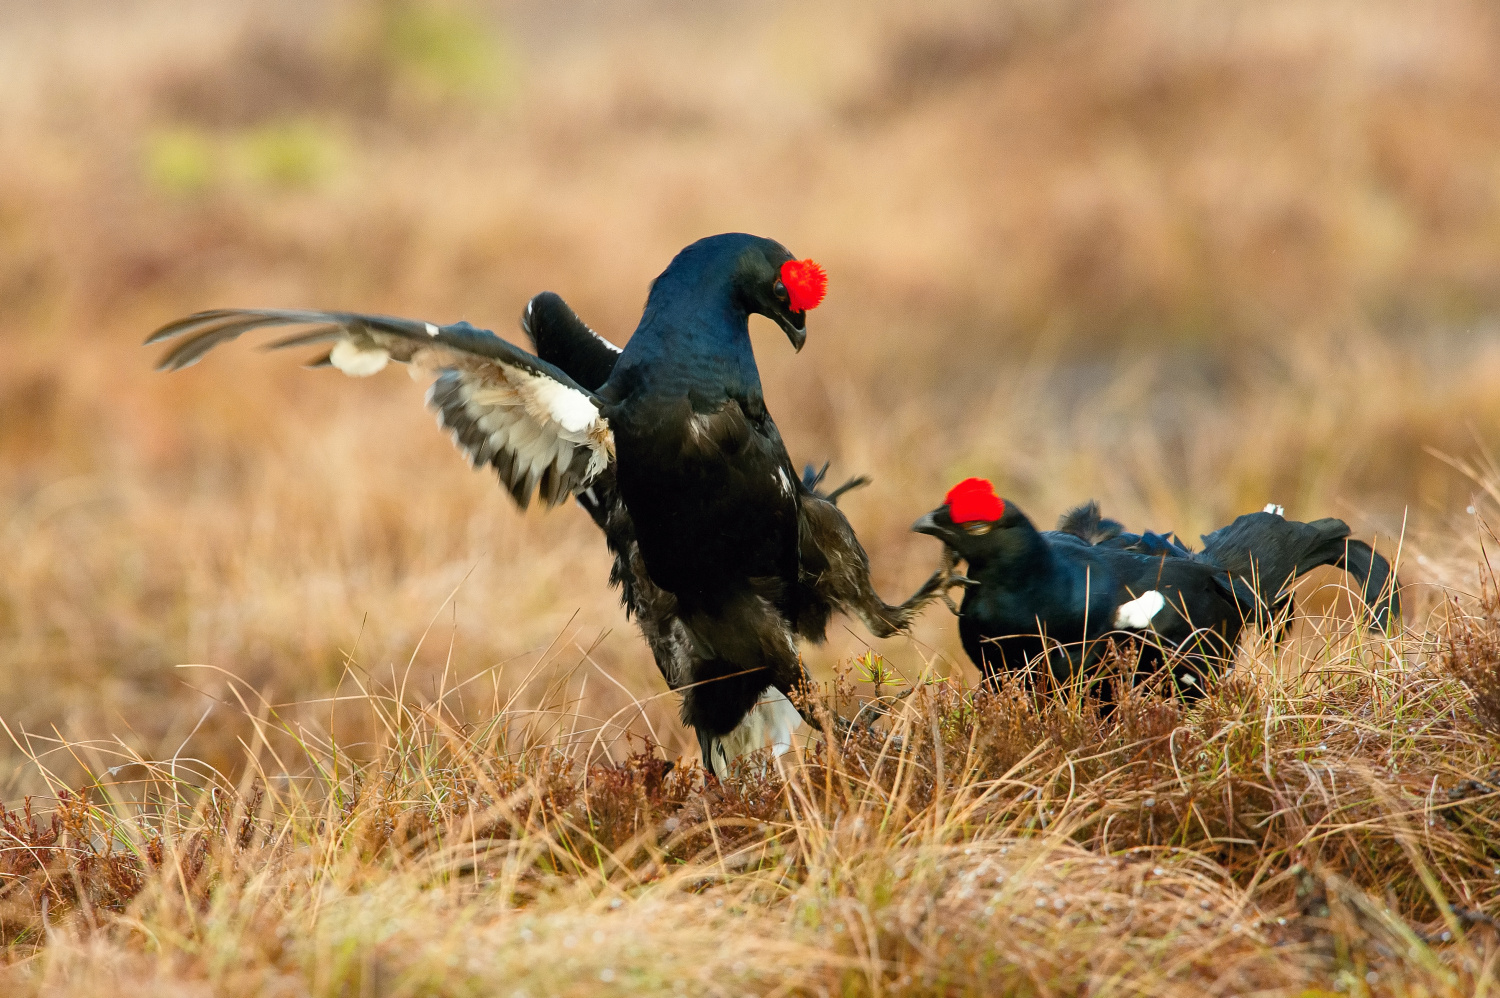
(947, 579)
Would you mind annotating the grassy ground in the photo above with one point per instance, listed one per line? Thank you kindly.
(308, 708)
(1307, 835)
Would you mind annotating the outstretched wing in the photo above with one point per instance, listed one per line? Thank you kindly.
(538, 428)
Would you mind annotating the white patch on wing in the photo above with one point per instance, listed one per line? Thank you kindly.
(431, 330)
(770, 723)
(572, 410)
(356, 362)
(1137, 614)
(1272, 507)
(541, 423)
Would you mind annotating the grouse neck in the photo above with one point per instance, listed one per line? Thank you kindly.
(694, 334)
(691, 341)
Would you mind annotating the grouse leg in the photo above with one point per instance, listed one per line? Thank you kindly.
(950, 579)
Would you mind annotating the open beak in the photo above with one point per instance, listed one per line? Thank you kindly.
(794, 324)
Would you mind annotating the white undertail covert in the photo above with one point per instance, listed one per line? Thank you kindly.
(770, 724)
(1139, 612)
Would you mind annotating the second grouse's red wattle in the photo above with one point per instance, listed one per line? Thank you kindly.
(1045, 600)
(974, 499)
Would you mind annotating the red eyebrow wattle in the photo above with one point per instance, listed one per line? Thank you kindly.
(974, 499)
(806, 284)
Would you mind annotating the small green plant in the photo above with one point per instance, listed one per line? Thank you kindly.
(280, 155)
(444, 49)
(871, 667)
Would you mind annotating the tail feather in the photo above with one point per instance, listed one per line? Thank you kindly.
(1271, 553)
(1089, 524)
(771, 723)
(1377, 583)
(812, 479)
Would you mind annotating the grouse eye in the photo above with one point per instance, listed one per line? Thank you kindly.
(780, 290)
(978, 528)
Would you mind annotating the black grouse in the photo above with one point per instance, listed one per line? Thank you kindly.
(724, 554)
(1042, 601)
(1049, 597)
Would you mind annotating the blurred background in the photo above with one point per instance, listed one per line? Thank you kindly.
(1185, 257)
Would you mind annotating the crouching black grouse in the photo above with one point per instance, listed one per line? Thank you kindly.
(1044, 600)
(1049, 597)
(725, 555)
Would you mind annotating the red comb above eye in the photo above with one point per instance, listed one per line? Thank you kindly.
(806, 284)
(974, 499)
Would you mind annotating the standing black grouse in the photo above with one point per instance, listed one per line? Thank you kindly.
(1048, 599)
(1025, 583)
(724, 553)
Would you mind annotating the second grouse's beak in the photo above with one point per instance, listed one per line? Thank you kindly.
(928, 524)
(794, 324)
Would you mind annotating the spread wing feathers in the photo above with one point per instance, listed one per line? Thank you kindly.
(559, 337)
(510, 423)
(533, 423)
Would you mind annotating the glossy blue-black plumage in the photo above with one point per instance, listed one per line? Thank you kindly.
(725, 556)
(716, 538)
(1265, 551)
(1050, 599)
(1068, 583)
(694, 334)
(704, 475)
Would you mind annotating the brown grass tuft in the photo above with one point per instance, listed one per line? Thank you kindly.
(1470, 650)
(1286, 833)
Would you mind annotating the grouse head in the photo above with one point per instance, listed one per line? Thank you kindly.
(974, 521)
(760, 275)
(769, 281)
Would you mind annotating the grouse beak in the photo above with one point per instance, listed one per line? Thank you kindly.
(928, 524)
(794, 324)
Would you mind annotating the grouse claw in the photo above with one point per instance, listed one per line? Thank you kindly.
(947, 578)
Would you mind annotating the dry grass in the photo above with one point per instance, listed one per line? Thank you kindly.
(1184, 257)
(1330, 831)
